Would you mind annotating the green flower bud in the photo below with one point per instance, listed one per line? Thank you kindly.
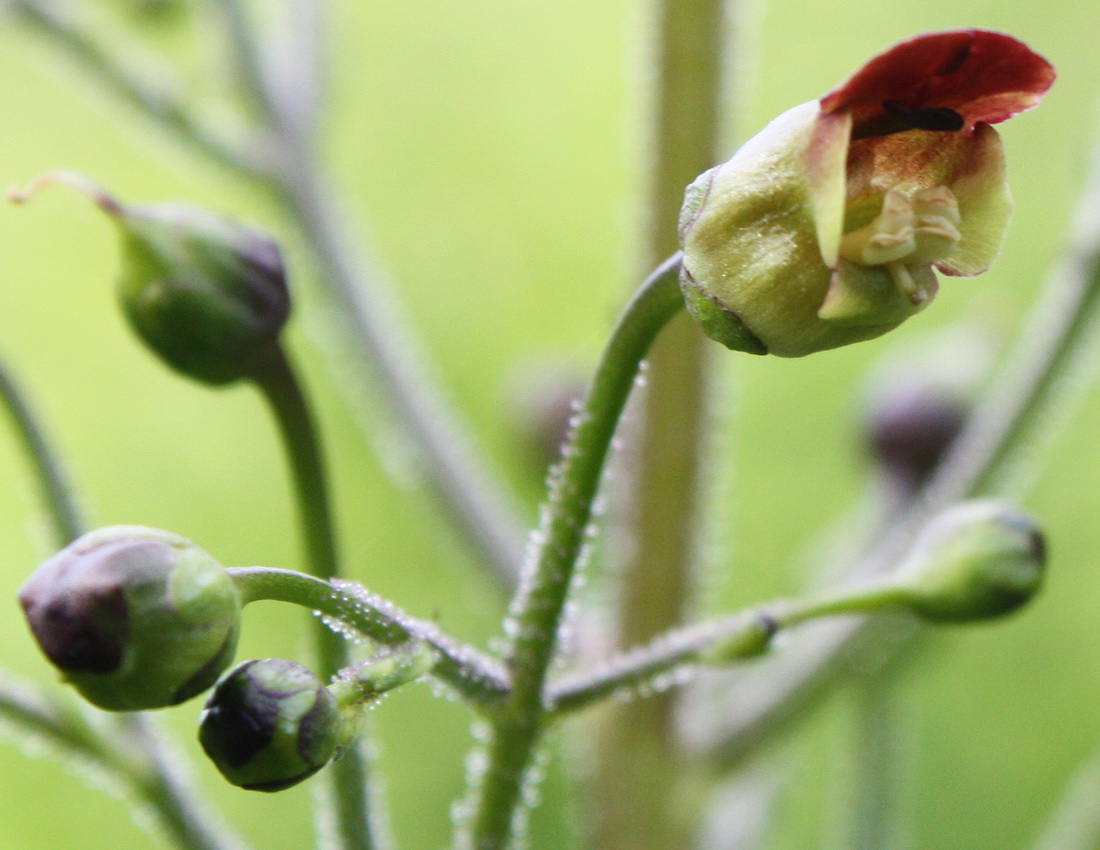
(974, 561)
(826, 228)
(270, 724)
(207, 294)
(133, 617)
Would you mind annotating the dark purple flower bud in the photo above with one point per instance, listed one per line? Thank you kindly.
(134, 618)
(270, 724)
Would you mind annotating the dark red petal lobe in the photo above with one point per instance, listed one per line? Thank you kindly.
(985, 77)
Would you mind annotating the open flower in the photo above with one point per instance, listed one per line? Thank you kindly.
(825, 228)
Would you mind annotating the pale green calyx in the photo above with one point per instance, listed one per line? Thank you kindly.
(811, 238)
(976, 560)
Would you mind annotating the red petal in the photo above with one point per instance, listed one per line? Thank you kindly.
(985, 77)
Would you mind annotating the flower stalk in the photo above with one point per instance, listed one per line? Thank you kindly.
(537, 609)
(279, 384)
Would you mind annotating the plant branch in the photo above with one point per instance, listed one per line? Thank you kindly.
(160, 103)
(537, 609)
(661, 663)
(249, 62)
(463, 668)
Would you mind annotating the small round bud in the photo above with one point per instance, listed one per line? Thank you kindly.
(207, 294)
(134, 618)
(976, 560)
(270, 724)
(911, 426)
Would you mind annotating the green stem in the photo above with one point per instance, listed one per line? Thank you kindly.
(347, 776)
(537, 608)
(877, 803)
(1007, 418)
(463, 668)
(57, 494)
(637, 807)
(717, 642)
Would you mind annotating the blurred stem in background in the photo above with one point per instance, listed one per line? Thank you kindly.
(62, 510)
(278, 159)
(877, 804)
(636, 805)
(1075, 822)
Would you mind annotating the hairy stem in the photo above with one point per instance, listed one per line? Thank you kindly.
(348, 775)
(537, 609)
(463, 668)
(724, 640)
(135, 762)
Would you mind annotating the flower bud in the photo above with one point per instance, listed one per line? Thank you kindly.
(207, 294)
(976, 560)
(827, 227)
(133, 617)
(270, 724)
(911, 427)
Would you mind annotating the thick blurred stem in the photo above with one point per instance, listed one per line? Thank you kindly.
(348, 793)
(636, 805)
(1075, 821)
(877, 805)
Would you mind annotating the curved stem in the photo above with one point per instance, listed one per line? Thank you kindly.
(279, 385)
(57, 494)
(537, 609)
(463, 668)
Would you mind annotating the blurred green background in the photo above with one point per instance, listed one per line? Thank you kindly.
(492, 150)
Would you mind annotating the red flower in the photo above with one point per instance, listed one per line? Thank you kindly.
(825, 228)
